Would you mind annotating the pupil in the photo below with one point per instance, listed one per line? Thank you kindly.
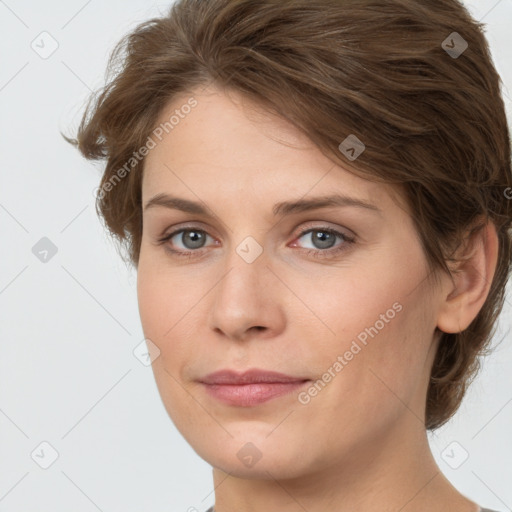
(321, 237)
(196, 239)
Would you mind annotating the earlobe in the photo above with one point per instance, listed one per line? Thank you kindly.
(472, 278)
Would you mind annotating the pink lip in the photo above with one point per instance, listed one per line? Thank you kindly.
(251, 387)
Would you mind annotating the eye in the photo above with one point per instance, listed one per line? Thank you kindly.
(194, 239)
(324, 240)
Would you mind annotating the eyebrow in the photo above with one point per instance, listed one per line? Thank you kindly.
(279, 209)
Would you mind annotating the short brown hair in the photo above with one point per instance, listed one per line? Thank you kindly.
(395, 73)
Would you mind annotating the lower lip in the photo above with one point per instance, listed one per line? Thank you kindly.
(248, 395)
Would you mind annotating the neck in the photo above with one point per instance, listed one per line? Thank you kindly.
(394, 473)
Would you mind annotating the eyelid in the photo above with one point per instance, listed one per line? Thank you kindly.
(348, 240)
(191, 225)
(313, 224)
(319, 225)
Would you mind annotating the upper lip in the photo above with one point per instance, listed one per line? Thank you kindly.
(254, 375)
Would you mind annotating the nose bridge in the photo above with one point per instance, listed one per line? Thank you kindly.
(245, 297)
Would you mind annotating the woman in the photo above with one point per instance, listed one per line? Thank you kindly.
(315, 194)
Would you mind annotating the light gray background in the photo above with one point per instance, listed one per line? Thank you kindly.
(69, 326)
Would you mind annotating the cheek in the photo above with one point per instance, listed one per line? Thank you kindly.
(162, 310)
(391, 368)
(158, 302)
(380, 323)
(150, 296)
(362, 304)
(159, 296)
(167, 304)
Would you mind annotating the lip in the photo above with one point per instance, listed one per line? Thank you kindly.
(252, 376)
(250, 388)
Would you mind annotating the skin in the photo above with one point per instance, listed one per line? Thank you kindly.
(360, 444)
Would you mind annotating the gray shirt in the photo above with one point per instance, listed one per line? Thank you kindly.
(481, 510)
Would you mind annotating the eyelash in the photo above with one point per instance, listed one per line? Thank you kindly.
(317, 253)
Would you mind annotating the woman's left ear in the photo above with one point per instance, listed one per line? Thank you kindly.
(472, 277)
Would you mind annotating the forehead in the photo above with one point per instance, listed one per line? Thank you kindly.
(228, 144)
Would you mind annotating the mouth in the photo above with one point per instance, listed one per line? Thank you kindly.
(250, 388)
(249, 395)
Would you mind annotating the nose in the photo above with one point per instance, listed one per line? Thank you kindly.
(248, 301)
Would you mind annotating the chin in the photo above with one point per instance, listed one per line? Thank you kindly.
(252, 456)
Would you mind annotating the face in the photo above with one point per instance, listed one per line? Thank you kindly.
(334, 295)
